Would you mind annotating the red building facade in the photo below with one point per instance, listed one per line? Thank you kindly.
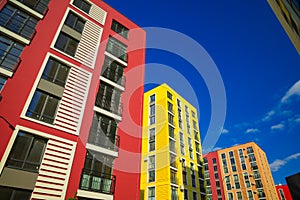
(69, 121)
(213, 179)
(283, 192)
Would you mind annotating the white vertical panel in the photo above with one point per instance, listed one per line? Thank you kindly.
(71, 108)
(55, 170)
(89, 44)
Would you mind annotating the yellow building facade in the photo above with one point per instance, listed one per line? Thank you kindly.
(171, 164)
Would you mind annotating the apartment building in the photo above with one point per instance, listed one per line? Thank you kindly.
(288, 14)
(239, 172)
(65, 103)
(172, 164)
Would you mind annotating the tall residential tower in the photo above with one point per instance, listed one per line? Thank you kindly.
(172, 165)
(68, 118)
(239, 172)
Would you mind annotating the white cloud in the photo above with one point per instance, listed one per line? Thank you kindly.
(294, 90)
(252, 130)
(224, 131)
(278, 127)
(269, 115)
(277, 164)
(294, 156)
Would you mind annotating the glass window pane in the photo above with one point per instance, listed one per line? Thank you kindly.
(35, 151)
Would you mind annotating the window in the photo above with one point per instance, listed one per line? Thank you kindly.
(193, 114)
(186, 194)
(117, 48)
(83, 5)
(152, 98)
(18, 21)
(244, 166)
(152, 139)
(14, 193)
(172, 145)
(173, 176)
(152, 110)
(171, 118)
(182, 150)
(151, 168)
(178, 103)
(2, 82)
(239, 195)
(223, 156)
(66, 44)
(103, 131)
(249, 150)
(38, 5)
(233, 168)
(251, 158)
(27, 152)
(195, 196)
(152, 114)
(216, 176)
(151, 165)
(215, 168)
(230, 153)
(56, 72)
(108, 98)
(151, 193)
(173, 160)
(169, 95)
(214, 160)
(43, 107)
(113, 71)
(170, 107)
(230, 196)
(184, 178)
(96, 175)
(250, 195)
(75, 22)
(171, 132)
(174, 193)
(120, 29)
(10, 52)
(232, 161)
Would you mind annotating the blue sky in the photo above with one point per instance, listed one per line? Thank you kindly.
(258, 64)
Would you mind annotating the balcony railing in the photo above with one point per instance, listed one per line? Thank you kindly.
(112, 76)
(9, 61)
(109, 105)
(41, 6)
(97, 182)
(102, 140)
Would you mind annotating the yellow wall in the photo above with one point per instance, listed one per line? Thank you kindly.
(162, 152)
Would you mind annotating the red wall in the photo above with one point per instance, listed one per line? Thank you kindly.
(17, 89)
(209, 157)
(286, 192)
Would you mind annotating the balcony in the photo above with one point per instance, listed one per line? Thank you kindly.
(41, 6)
(113, 71)
(9, 61)
(102, 140)
(97, 182)
(108, 104)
